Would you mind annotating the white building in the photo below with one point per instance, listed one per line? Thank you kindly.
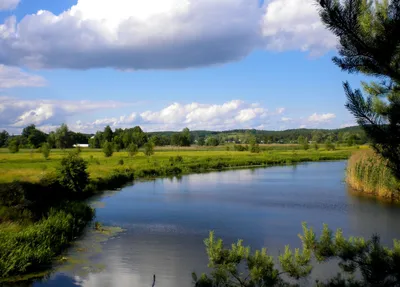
(81, 145)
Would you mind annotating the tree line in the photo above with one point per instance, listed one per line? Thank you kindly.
(63, 137)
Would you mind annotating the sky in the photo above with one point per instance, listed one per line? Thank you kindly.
(170, 64)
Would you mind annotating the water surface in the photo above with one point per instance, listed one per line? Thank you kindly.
(166, 221)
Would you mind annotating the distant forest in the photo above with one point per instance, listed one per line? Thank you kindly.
(32, 137)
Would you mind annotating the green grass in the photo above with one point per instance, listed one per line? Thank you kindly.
(368, 173)
(27, 166)
(32, 247)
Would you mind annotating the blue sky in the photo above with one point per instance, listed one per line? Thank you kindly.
(168, 66)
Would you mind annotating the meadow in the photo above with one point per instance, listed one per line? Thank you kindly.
(31, 166)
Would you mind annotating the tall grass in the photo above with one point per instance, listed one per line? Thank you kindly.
(25, 249)
(367, 172)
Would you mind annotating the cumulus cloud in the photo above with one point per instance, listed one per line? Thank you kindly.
(8, 4)
(295, 25)
(11, 77)
(228, 115)
(81, 116)
(168, 34)
(16, 113)
(321, 118)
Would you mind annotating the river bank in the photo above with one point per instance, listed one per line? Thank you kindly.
(109, 173)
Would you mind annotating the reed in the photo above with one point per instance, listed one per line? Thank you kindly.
(368, 173)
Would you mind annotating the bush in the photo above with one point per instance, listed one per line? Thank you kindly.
(316, 147)
(149, 149)
(329, 145)
(132, 150)
(45, 150)
(13, 146)
(240, 148)
(121, 162)
(108, 149)
(72, 173)
(376, 265)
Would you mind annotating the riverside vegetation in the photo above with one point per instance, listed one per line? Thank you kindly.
(369, 173)
(41, 208)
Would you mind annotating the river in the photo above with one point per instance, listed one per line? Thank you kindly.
(166, 220)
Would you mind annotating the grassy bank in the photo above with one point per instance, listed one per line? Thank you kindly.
(28, 166)
(31, 246)
(367, 173)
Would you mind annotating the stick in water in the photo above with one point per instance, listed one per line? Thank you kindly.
(154, 280)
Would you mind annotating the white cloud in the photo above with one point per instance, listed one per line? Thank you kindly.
(136, 34)
(16, 113)
(321, 118)
(11, 77)
(286, 119)
(8, 4)
(82, 116)
(168, 34)
(295, 24)
(231, 114)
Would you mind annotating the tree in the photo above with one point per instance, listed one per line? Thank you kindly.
(253, 145)
(369, 35)
(108, 134)
(33, 136)
(118, 144)
(62, 137)
(201, 141)
(132, 149)
(212, 141)
(108, 149)
(329, 145)
(45, 150)
(186, 138)
(72, 173)
(148, 149)
(4, 138)
(51, 139)
(376, 264)
(13, 145)
(303, 142)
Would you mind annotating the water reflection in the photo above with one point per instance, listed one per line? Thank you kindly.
(167, 220)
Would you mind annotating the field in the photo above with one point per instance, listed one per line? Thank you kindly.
(30, 165)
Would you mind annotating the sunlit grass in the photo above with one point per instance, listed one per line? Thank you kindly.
(368, 173)
(30, 166)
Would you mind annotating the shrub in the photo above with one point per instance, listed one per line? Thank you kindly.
(72, 173)
(13, 146)
(108, 149)
(148, 149)
(316, 147)
(240, 148)
(121, 162)
(329, 145)
(45, 150)
(132, 150)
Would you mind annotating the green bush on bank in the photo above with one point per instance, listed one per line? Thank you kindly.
(34, 246)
